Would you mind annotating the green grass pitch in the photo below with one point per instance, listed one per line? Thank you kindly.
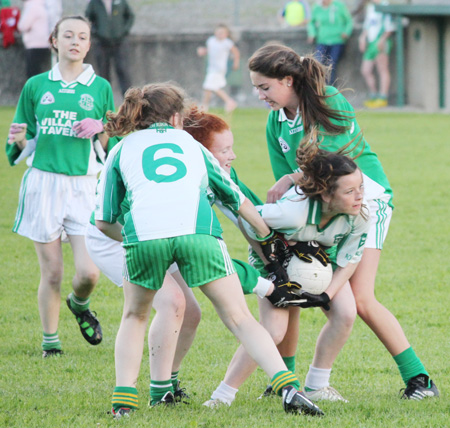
(75, 390)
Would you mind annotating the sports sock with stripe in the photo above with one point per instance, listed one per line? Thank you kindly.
(125, 396)
(158, 388)
(283, 379)
(409, 365)
(78, 304)
(174, 380)
(50, 341)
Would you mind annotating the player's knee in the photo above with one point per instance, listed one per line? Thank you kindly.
(53, 278)
(236, 319)
(192, 317)
(348, 318)
(171, 301)
(88, 277)
(363, 305)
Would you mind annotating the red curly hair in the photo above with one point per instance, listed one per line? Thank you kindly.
(202, 126)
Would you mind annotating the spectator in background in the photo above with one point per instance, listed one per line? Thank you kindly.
(295, 13)
(330, 27)
(111, 23)
(218, 49)
(35, 29)
(9, 17)
(376, 44)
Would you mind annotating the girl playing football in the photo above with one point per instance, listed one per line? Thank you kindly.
(302, 104)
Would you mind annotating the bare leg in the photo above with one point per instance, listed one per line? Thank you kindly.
(372, 312)
(192, 316)
(230, 104)
(229, 302)
(275, 320)
(206, 99)
(165, 328)
(382, 64)
(87, 274)
(49, 292)
(289, 343)
(369, 77)
(337, 329)
(130, 337)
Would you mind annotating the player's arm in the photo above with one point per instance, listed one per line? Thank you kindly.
(23, 127)
(340, 276)
(281, 170)
(110, 191)
(249, 213)
(236, 57)
(112, 230)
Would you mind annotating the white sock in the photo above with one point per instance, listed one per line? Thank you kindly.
(224, 393)
(317, 378)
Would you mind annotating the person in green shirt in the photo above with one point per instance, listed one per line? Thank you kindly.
(329, 28)
(59, 122)
(304, 108)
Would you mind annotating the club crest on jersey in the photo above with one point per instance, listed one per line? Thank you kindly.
(47, 98)
(284, 145)
(86, 102)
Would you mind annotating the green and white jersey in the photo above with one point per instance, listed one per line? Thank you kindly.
(165, 174)
(50, 106)
(284, 136)
(377, 23)
(298, 219)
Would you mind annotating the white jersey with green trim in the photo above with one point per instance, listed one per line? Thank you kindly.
(50, 107)
(376, 23)
(164, 174)
(298, 219)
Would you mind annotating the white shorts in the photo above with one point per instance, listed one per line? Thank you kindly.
(50, 203)
(214, 81)
(380, 218)
(108, 254)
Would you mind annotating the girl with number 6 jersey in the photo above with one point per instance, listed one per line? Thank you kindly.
(165, 174)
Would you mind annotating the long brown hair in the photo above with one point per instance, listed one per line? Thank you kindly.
(142, 107)
(322, 170)
(277, 61)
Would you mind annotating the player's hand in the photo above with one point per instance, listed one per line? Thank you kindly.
(278, 189)
(282, 295)
(202, 51)
(17, 134)
(88, 127)
(305, 250)
(308, 300)
(275, 248)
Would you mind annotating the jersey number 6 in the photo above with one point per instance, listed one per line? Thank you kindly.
(150, 164)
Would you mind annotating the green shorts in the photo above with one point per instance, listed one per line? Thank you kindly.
(200, 258)
(372, 49)
(248, 276)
